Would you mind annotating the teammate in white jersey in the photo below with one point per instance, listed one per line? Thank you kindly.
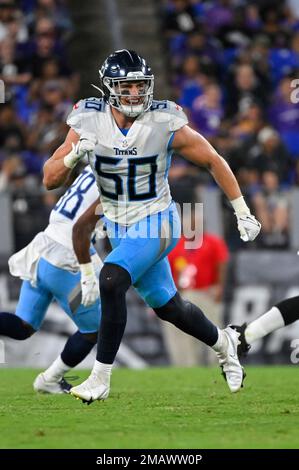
(129, 139)
(50, 270)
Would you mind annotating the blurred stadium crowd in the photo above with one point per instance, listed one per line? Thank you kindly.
(40, 88)
(231, 64)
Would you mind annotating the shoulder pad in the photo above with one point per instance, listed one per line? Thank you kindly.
(80, 110)
(171, 112)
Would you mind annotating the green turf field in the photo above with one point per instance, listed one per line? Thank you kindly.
(156, 408)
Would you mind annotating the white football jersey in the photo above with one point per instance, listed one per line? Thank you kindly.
(74, 202)
(55, 243)
(131, 170)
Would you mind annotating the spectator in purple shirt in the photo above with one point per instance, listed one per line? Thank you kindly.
(207, 112)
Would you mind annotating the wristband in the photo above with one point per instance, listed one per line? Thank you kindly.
(240, 206)
(87, 270)
(71, 160)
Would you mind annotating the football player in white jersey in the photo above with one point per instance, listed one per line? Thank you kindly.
(129, 139)
(49, 269)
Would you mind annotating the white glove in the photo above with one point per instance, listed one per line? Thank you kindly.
(248, 226)
(85, 144)
(97, 264)
(89, 285)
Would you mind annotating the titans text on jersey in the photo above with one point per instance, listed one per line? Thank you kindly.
(131, 168)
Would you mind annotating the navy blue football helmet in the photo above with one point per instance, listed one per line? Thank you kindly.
(124, 66)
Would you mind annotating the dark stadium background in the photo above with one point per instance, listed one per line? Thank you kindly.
(231, 65)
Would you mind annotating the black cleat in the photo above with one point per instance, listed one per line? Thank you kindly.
(42, 385)
(65, 386)
(88, 402)
(243, 347)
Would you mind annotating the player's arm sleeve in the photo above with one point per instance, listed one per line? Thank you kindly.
(177, 117)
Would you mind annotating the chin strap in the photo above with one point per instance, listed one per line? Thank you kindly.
(99, 89)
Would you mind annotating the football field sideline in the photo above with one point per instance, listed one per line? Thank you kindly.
(158, 408)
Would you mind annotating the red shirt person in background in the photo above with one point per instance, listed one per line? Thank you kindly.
(200, 268)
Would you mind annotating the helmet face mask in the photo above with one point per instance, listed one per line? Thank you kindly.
(125, 71)
(130, 104)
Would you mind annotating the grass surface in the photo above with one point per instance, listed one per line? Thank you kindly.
(156, 408)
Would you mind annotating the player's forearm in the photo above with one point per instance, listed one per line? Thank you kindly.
(225, 178)
(55, 173)
(82, 232)
(58, 168)
(195, 148)
(81, 242)
(248, 226)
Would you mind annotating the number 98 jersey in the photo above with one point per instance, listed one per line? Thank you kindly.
(74, 202)
(130, 165)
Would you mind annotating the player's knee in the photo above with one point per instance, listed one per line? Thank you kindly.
(90, 337)
(27, 331)
(114, 280)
